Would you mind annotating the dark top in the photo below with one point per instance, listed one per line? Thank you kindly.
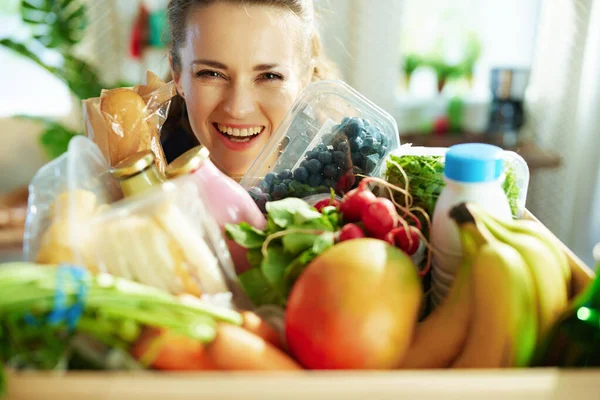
(176, 135)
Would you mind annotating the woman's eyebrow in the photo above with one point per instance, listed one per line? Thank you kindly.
(265, 67)
(210, 63)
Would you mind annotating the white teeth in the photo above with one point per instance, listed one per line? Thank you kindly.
(239, 140)
(239, 132)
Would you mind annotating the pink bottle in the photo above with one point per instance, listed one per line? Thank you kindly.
(227, 201)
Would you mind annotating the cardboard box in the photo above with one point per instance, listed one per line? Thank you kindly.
(530, 384)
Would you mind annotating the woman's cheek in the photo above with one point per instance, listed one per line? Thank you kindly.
(278, 101)
(202, 102)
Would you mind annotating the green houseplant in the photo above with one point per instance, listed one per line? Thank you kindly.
(55, 28)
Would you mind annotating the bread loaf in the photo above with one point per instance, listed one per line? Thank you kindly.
(125, 114)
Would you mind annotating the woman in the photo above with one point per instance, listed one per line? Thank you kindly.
(239, 66)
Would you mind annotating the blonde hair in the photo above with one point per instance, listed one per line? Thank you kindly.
(322, 67)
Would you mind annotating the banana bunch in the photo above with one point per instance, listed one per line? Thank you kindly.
(511, 287)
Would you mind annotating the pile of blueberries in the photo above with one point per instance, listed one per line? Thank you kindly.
(355, 146)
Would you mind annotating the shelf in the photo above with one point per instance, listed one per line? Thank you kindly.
(536, 157)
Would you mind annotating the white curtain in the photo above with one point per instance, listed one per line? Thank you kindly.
(563, 103)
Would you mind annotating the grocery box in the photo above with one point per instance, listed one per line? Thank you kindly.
(530, 384)
(331, 137)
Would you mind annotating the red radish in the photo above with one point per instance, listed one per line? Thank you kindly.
(350, 231)
(355, 202)
(346, 182)
(407, 242)
(326, 203)
(380, 217)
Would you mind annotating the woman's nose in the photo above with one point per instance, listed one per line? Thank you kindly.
(239, 102)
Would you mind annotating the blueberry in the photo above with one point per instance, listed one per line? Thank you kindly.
(339, 158)
(329, 183)
(304, 164)
(330, 171)
(354, 128)
(285, 174)
(301, 174)
(371, 163)
(262, 204)
(345, 121)
(270, 177)
(315, 180)
(382, 151)
(255, 192)
(280, 188)
(321, 148)
(312, 154)
(376, 146)
(343, 147)
(356, 144)
(264, 186)
(325, 157)
(357, 158)
(314, 166)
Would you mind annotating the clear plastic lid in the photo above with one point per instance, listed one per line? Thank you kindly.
(330, 137)
(428, 179)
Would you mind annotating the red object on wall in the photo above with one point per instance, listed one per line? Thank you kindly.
(139, 33)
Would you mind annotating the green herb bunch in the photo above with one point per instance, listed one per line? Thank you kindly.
(296, 233)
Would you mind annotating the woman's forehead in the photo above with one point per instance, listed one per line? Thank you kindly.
(238, 35)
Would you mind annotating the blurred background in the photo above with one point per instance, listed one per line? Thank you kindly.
(521, 74)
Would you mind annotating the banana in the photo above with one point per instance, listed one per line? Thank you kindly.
(440, 337)
(538, 231)
(503, 328)
(548, 279)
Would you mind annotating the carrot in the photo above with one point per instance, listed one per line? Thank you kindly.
(256, 325)
(235, 348)
(164, 350)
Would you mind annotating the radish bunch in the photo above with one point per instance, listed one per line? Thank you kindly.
(378, 218)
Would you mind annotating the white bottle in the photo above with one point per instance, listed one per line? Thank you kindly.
(472, 173)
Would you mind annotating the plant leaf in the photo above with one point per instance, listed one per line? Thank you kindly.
(245, 235)
(273, 267)
(323, 242)
(283, 211)
(258, 289)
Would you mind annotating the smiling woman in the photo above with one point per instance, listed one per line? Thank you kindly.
(239, 66)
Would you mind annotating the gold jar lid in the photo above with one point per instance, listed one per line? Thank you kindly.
(188, 162)
(133, 165)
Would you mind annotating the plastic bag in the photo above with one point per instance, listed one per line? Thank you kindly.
(166, 238)
(426, 187)
(63, 196)
(124, 121)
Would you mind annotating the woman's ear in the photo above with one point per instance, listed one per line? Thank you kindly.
(176, 74)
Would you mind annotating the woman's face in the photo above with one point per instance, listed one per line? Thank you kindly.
(241, 70)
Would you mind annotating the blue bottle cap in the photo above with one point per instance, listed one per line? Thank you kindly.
(474, 163)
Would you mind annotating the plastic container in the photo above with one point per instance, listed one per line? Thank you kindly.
(165, 238)
(472, 173)
(63, 196)
(330, 136)
(226, 200)
(427, 187)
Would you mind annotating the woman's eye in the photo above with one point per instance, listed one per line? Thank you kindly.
(208, 74)
(269, 76)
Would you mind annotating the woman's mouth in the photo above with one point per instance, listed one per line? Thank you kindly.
(239, 135)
